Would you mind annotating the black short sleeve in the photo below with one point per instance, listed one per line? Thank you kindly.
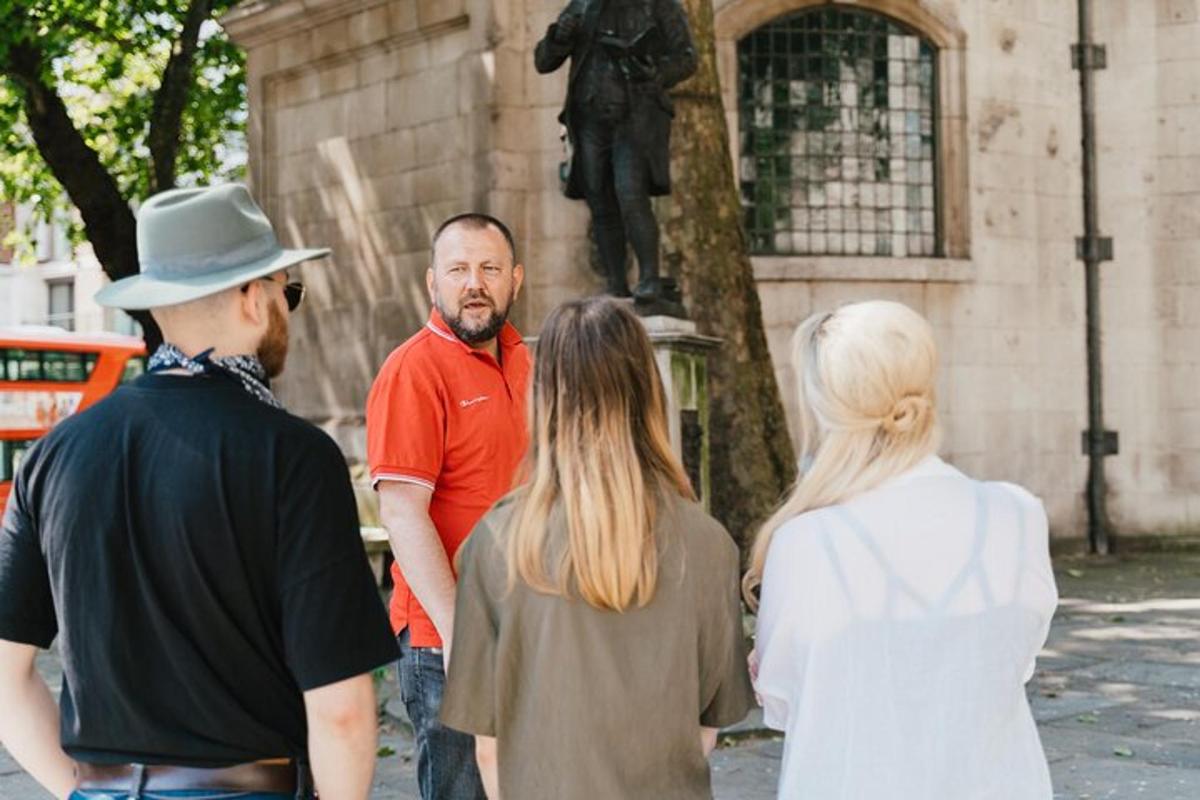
(469, 702)
(26, 602)
(334, 622)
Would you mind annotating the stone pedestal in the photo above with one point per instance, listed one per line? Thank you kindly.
(682, 356)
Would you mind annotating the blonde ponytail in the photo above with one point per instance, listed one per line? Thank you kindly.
(865, 396)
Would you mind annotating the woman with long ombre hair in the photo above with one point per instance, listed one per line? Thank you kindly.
(902, 603)
(597, 636)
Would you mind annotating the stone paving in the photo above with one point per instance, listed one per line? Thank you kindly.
(1116, 695)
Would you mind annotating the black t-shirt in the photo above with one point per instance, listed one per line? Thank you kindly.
(197, 553)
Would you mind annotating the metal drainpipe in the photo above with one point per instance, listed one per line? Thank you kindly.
(1092, 249)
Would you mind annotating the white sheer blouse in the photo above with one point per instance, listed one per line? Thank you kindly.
(895, 635)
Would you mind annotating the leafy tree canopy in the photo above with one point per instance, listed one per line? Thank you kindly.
(111, 63)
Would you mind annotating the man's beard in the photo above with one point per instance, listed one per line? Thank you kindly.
(477, 334)
(272, 350)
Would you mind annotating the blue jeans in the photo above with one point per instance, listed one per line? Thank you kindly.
(190, 794)
(446, 768)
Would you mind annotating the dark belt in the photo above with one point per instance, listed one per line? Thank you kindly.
(273, 777)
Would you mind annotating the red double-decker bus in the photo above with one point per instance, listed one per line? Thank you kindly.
(46, 375)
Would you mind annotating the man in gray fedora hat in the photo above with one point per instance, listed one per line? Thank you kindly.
(194, 549)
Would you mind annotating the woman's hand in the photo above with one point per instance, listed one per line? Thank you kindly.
(752, 665)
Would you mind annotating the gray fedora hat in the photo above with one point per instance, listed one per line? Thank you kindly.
(197, 242)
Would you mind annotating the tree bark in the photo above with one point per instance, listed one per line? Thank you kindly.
(751, 457)
(166, 116)
(109, 222)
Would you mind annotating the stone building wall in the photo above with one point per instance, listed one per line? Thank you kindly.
(371, 121)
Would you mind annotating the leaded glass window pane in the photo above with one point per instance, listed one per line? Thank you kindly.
(836, 129)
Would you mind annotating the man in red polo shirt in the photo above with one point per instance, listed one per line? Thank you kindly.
(445, 434)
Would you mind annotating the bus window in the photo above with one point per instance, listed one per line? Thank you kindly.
(11, 453)
(21, 365)
(135, 367)
(57, 366)
(67, 367)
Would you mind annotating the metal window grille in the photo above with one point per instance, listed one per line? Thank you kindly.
(837, 139)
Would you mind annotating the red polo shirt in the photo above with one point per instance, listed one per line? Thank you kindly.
(444, 415)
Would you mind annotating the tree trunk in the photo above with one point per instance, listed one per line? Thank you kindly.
(166, 117)
(107, 218)
(751, 456)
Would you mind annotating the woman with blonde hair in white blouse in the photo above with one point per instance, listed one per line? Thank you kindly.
(901, 603)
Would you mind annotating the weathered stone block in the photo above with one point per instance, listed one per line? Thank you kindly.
(331, 38)
(402, 18)
(394, 151)
(369, 26)
(409, 60)
(418, 99)
(294, 50)
(439, 182)
(432, 12)
(449, 47)
(375, 67)
(1176, 12)
(262, 60)
(341, 77)
(441, 140)
(1177, 42)
(510, 171)
(1177, 85)
(302, 88)
(510, 70)
(366, 112)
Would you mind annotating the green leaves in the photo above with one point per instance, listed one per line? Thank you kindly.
(106, 59)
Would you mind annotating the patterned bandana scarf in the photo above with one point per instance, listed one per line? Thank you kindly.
(248, 370)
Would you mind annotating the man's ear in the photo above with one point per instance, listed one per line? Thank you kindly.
(252, 303)
(429, 285)
(518, 279)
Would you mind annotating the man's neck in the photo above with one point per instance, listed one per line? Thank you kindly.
(192, 347)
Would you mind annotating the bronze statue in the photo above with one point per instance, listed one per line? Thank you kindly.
(625, 55)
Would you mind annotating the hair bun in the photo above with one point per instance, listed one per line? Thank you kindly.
(906, 413)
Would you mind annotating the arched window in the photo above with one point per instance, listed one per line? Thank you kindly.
(838, 152)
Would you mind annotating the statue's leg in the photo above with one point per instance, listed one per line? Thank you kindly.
(633, 195)
(594, 155)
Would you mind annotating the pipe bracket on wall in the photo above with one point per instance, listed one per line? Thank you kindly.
(1089, 56)
(1094, 248)
(1106, 444)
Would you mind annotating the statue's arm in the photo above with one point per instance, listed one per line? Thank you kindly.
(550, 53)
(680, 61)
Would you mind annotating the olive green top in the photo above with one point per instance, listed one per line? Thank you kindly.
(587, 703)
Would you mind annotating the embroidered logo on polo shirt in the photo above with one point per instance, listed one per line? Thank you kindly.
(473, 401)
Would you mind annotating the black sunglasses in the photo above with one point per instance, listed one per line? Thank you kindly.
(293, 292)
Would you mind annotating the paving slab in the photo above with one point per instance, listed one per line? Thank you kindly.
(1084, 778)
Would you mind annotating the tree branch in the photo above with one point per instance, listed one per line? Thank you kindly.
(166, 118)
(106, 214)
(110, 224)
